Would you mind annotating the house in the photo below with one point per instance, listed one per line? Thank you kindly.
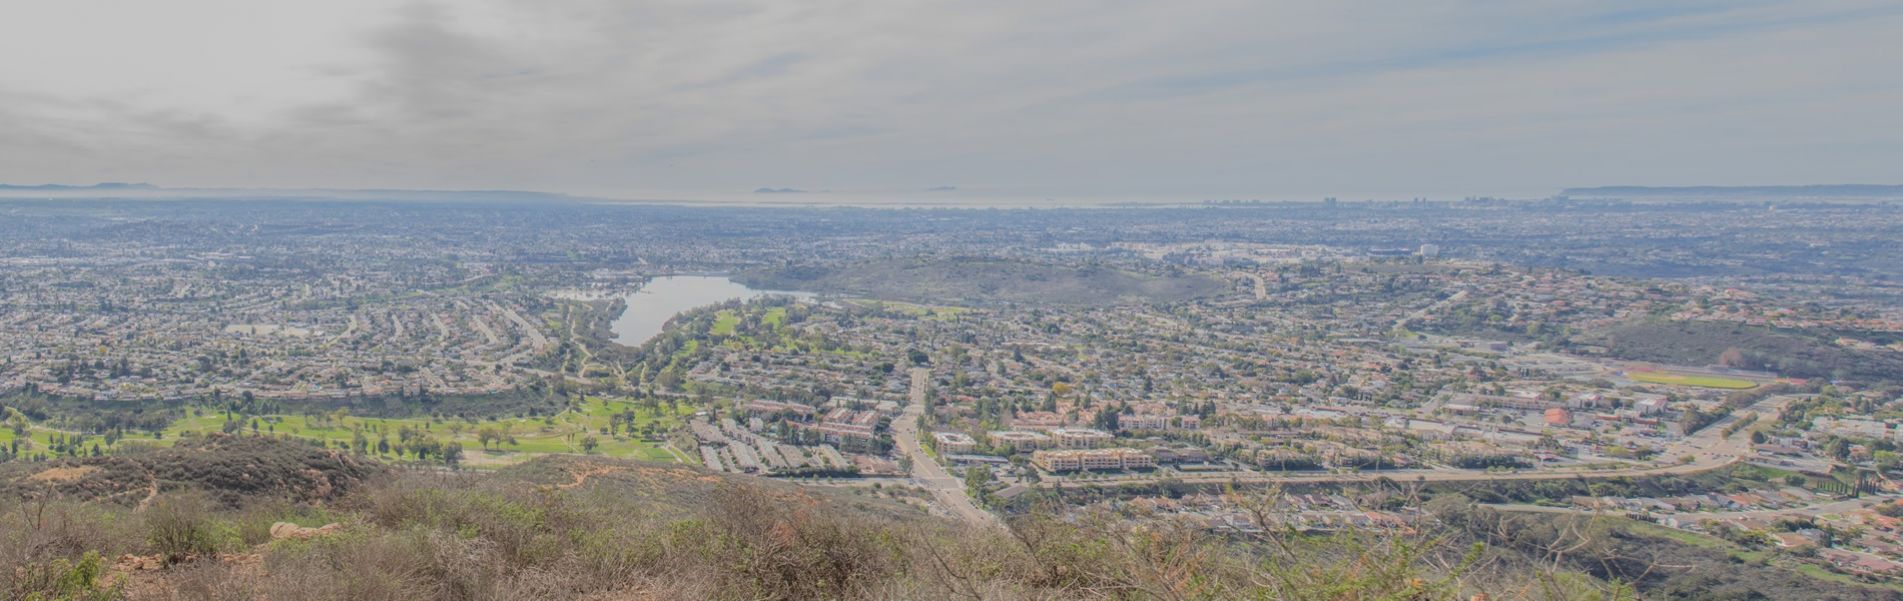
(1859, 563)
(1558, 417)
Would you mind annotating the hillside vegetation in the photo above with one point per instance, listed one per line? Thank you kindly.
(229, 469)
(1786, 352)
(594, 528)
(986, 280)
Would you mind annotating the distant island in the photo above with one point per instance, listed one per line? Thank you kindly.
(778, 191)
(98, 186)
(1813, 191)
(143, 191)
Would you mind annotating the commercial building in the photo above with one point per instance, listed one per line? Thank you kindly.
(1092, 460)
(1020, 440)
(1080, 438)
(953, 442)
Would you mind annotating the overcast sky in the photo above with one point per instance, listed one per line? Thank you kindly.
(1194, 98)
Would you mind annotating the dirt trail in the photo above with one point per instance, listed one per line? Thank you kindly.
(582, 477)
(151, 491)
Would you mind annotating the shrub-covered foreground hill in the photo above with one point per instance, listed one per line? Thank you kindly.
(231, 469)
(245, 518)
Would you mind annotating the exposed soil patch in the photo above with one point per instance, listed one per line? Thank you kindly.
(64, 474)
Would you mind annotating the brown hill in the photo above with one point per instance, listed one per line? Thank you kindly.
(231, 469)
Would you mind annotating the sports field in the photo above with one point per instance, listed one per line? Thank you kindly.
(1680, 379)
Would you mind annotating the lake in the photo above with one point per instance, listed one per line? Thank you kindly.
(663, 298)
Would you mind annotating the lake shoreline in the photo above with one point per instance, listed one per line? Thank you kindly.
(650, 307)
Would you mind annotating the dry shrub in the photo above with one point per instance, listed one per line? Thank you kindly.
(204, 581)
(81, 580)
(252, 524)
(182, 526)
(55, 550)
(363, 567)
(759, 547)
(454, 539)
(37, 531)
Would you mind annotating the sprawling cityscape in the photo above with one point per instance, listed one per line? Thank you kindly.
(834, 300)
(1174, 362)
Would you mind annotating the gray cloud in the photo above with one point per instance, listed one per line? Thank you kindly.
(1052, 98)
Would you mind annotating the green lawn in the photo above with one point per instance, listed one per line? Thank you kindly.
(937, 312)
(724, 323)
(534, 436)
(39, 439)
(774, 316)
(1678, 379)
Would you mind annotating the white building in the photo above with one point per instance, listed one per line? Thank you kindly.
(953, 442)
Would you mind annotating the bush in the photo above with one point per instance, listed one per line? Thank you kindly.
(62, 580)
(492, 537)
(181, 527)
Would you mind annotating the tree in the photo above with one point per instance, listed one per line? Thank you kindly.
(453, 454)
(488, 435)
(589, 442)
(1838, 448)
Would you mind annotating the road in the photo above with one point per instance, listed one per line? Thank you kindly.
(948, 491)
(1817, 510)
(1709, 449)
(1425, 311)
(1261, 288)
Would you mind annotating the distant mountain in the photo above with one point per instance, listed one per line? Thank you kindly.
(98, 186)
(778, 191)
(1816, 191)
(122, 191)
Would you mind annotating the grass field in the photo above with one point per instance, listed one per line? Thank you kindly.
(561, 433)
(39, 439)
(533, 436)
(1678, 379)
(935, 312)
(724, 323)
(775, 336)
